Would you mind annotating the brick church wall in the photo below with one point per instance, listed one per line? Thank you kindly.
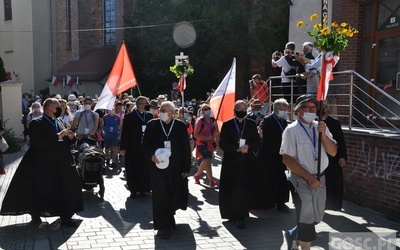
(372, 173)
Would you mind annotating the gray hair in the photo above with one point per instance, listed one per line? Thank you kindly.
(168, 104)
(308, 44)
(280, 101)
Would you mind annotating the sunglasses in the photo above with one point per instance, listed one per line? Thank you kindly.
(206, 109)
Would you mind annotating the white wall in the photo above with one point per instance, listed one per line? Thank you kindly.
(302, 10)
(25, 42)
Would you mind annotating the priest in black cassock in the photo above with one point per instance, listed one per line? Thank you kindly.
(239, 140)
(136, 164)
(169, 185)
(334, 173)
(46, 182)
(276, 187)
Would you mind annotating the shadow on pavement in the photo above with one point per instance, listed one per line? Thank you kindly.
(181, 238)
(42, 236)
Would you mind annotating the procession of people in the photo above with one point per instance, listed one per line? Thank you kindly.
(265, 156)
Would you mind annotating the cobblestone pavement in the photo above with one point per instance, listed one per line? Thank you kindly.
(119, 222)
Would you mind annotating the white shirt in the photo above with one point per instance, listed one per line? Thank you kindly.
(297, 144)
(282, 62)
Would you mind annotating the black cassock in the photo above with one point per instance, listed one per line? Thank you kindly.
(334, 172)
(238, 169)
(137, 166)
(276, 188)
(46, 182)
(170, 190)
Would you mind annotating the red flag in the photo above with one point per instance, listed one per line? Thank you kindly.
(182, 83)
(120, 79)
(328, 62)
(55, 81)
(70, 81)
(223, 99)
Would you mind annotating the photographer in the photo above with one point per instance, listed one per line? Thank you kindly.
(305, 75)
(288, 63)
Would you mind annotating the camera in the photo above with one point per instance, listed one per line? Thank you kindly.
(278, 55)
(73, 129)
(297, 53)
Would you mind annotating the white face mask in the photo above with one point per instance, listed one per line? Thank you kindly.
(309, 117)
(315, 50)
(282, 114)
(153, 111)
(37, 110)
(164, 116)
(88, 106)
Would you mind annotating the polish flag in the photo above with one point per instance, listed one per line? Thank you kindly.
(223, 99)
(120, 79)
(70, 81)
(55, 81)
(328, 62)
(182, 84)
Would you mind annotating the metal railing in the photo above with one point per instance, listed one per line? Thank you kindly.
(354, 104)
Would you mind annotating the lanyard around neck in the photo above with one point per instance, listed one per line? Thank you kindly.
(240, 133)
(276, 119)
(170, 129)
(55, 124)
(141, 118)
(313, 140)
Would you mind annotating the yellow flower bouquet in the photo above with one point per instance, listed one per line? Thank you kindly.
(332, 38)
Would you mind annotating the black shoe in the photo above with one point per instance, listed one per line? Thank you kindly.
(142, 194)
(284, 209)
(113, 165)
(240, 224)
(36, 220)
(133, 195)
(163, 234)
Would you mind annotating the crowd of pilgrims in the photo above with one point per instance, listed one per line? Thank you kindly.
(251, 181)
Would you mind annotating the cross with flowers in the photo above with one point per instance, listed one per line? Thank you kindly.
(331, 40)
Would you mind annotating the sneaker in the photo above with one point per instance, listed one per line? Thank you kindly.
(213, 184)
(291, 243)
(196, 179)
(2, 171)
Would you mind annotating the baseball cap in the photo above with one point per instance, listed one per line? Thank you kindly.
(161, 97)
(58, 96)
(163, 155)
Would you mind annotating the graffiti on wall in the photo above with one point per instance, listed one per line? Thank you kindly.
(375, 163)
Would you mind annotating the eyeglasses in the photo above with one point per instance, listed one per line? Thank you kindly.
(205, 109)
(309, 107)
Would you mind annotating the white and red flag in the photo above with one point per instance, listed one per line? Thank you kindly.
(328, 62)
(55, 81)
(181, 84)
(223, 99)
(70, 80)
(120, 79)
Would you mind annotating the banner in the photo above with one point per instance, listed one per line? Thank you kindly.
(120, 79)
(223, 99)
(328, 62)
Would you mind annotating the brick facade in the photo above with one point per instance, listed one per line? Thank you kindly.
(372, 174)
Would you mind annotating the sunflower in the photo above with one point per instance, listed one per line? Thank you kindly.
(300, 24)
(313, 17)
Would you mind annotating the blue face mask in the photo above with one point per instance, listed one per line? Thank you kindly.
(207, 112)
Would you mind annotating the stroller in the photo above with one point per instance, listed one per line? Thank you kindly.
(90, 160)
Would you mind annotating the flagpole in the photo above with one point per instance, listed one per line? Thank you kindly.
(223, 97)
(320, 104)
(138, 89)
